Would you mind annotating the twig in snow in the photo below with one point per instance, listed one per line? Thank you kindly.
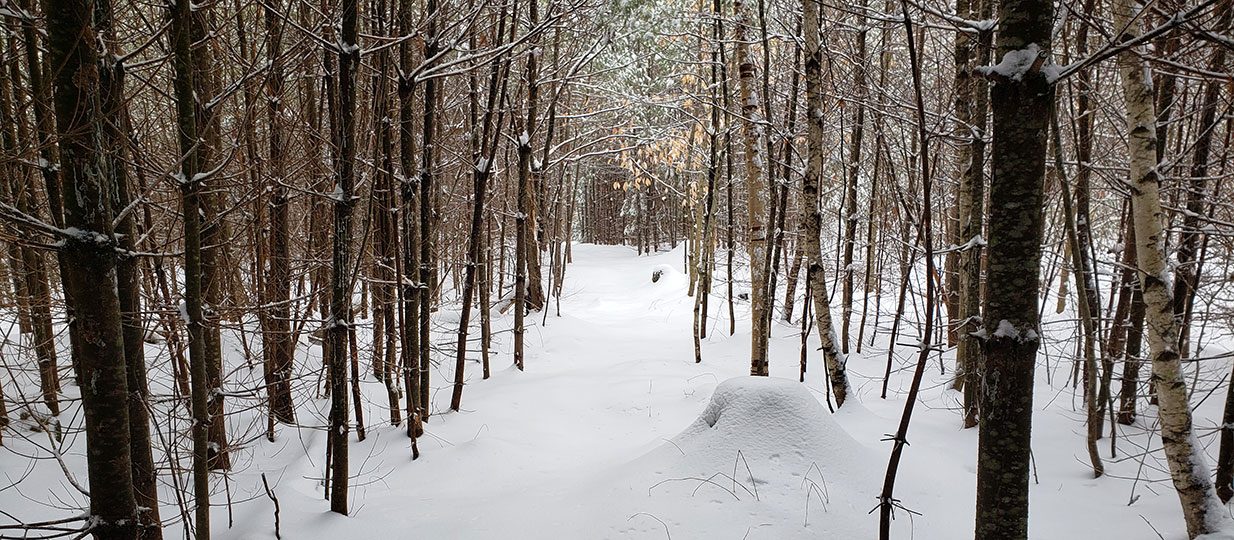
(1150, 525)
(270, 493)
(662, 523)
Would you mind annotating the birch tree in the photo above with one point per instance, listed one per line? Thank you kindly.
(811, 214)
(1189, 472)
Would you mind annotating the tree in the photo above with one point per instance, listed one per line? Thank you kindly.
(410, 289)
(971, 206)
(339, 324)
(811, 214)
(88, 260)
(483, 154)
(191, 179)
(277, 347)
(128, 283)
(1187, 463)
(753, 147)
(1020, 98)
(528, 294)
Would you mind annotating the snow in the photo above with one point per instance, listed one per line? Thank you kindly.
(346, 48)
(1006, 330)
(974, 242)
(614, 432)
(760, 453)
(1015, 64)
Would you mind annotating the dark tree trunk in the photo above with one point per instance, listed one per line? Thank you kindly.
(409, 213)
(1188, 281)
(339, 324)
(29, 268)
(190, 185)
(89, 270)
(484, 150)
(1010, 316)
(214, 235)
(128, 283)
(972, 219)
(45, 118)
(1120, 344)
(851, 217)
(278, 348)
(428, 162)
(1192, 238)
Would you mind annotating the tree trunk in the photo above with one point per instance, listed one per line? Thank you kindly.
(46, 122)
(214, 234)
(384, 209)
(1187, 463)
(811, 215)
(756, 204)
(1192, 237)
(89, 274)
(483, 153)
(1120, 346)
(428, 164)
(1195, 206)
(851, 215)
(128, 283)
(527, 254)
(276, 332)
(972, 215)
(409, 281)
(339, 325)
(29, 269)
(190, 183)
(1092, 408)
(1010, 319)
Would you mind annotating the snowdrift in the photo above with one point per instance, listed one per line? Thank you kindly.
(764, 458)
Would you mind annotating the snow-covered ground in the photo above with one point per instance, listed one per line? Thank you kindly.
(613, 431)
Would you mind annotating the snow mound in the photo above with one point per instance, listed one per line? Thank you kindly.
(751, 409)
(773, 421)
(764, 456)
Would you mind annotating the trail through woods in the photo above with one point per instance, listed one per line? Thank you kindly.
(601, 438)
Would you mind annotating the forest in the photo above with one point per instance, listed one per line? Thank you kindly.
(602, 269)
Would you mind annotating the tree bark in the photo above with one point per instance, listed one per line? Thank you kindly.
(338, 326)
(1192, 237)
(214, 234)
(811, 215)
(409, 281)
(276, 332)
(190, 185)
(1021, 105)
(482, 158)
(1188, 465)
(128, 284)
(428, 164)
(851, 217)
(88, 259)
(755, 175)
(972, 215)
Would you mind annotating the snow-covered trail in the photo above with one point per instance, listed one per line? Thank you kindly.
(610, 379)
(542, 453)
(571, 447)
